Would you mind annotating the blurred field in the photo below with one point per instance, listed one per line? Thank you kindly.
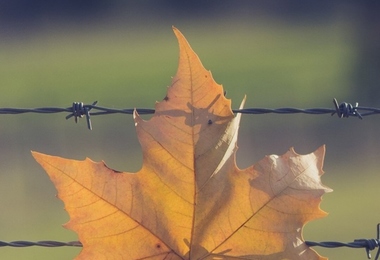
(275, 64)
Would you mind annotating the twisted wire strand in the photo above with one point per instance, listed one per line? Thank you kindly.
(46, 243)
(255, 111)
(79, 110)
(368, 244)
(359, 243)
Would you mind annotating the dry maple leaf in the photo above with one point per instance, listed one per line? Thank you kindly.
(190, 200)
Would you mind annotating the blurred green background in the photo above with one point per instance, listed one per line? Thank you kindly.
(123, 54)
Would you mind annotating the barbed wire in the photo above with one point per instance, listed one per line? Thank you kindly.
(367, 244)
(79, 110)
(45, 243)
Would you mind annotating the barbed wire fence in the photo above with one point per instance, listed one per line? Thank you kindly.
(80, 110)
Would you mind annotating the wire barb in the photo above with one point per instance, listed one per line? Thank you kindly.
(346, 109)
(80, 110)
(368, 244)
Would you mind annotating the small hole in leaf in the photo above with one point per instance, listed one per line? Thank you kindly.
(209, 122)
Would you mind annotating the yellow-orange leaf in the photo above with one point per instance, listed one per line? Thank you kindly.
(190, 200)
